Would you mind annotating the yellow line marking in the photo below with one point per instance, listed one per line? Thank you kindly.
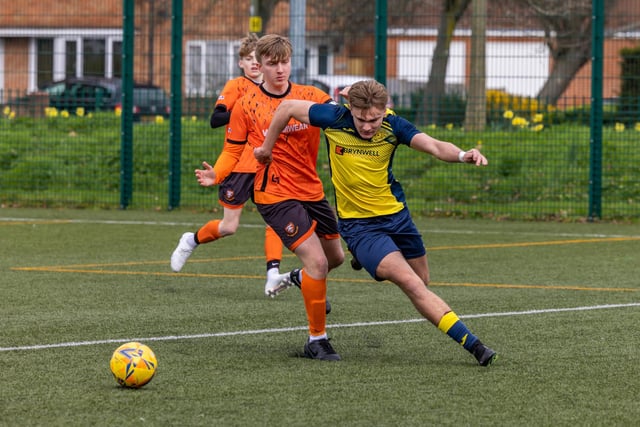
(99, 268)
(526, 244)
(514, 286)
(333, 279)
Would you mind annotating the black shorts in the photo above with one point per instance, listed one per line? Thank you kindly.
(236, 189)
(295, 220)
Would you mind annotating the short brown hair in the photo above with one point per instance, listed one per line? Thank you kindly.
(247, 45)
(276, 47)
(366, 94)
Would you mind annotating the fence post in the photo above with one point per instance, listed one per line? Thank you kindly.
(126, 118)
(381, 42)
(175, 125)
(297, 30)
(595, 163)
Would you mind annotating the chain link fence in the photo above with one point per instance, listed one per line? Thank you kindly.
(513, 78)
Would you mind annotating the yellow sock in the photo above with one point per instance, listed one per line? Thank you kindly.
(451, 325)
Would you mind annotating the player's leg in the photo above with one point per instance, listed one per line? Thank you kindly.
(327, 229)
(396, 269)
(313, 285)
(291, 220)
(209, 232)
(273, 253)
(383, 250)
(233, 193)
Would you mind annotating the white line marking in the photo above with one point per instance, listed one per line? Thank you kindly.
(302, 328)
(260, 225)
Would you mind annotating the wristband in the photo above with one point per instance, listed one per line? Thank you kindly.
(461, 156)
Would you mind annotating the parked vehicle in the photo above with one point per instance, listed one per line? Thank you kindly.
(99, 94)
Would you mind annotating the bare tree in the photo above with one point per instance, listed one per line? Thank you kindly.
(567, 26)
(265, 10)
(435, 90)
(567, 30)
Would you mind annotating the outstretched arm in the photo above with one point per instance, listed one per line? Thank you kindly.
(447, 151)
(288, 109)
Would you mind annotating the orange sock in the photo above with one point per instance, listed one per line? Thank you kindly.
(314, 293)
(272, 245)
(208, 232)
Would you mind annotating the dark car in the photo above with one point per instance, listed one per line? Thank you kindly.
(100, 94)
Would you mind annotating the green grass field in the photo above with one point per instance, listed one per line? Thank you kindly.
(559, 302)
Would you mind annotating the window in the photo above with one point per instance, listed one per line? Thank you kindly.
(54, 57)
(318, 60)
(194, 79)
(71, 54)
(44, 73)
(323, 60)
(116, 56)
(209, 65)
(93, 63)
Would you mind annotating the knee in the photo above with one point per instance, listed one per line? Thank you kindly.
(227, 228)
(335, 259)
(317, 268)
(426, 279)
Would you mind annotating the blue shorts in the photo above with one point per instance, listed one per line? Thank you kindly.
(371, 239)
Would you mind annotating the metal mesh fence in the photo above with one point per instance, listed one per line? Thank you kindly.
(514, 79)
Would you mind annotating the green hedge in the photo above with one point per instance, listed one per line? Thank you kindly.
(75, 161)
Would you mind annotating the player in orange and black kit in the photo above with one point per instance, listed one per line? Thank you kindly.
(288, 192)
(237, 188)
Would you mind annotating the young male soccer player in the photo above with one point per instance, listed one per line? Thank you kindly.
(373, 217)
(288, 192)
(237, 188)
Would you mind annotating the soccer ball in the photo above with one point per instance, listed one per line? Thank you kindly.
(133, 364)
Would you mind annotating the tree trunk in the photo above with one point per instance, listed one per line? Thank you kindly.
(565, 66)
(435, 89)
(476, 112)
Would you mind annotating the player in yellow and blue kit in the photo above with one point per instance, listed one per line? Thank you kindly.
(373, 218)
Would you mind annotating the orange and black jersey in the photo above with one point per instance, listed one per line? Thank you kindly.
(292, 173)
(233, 90)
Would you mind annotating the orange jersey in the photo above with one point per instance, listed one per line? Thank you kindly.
(233, 90)
(292, 173)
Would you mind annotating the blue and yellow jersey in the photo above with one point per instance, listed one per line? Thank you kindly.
(361, 168)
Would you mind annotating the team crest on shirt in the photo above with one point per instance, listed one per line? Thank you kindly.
(291, 229)
(229, 195)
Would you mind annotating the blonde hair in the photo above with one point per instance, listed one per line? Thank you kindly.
(366, 94)
(277, 48)
(247, 45)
